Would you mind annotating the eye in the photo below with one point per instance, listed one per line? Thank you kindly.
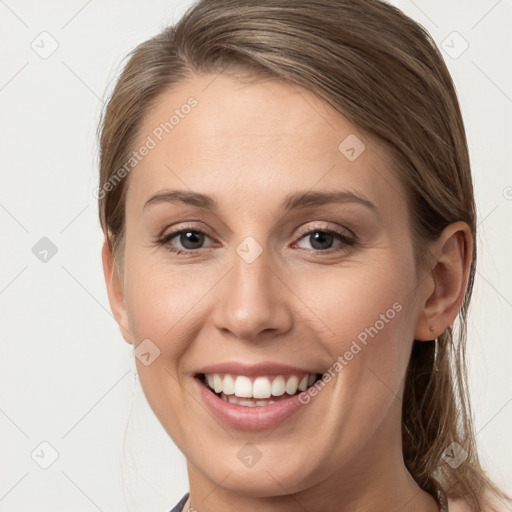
(190, 239)
(321, 240)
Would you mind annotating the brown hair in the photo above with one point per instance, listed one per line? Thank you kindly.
(384, 73)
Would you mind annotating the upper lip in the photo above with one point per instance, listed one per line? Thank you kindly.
(262, 368)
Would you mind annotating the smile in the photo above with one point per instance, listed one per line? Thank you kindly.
(253, 397)
(254, 391)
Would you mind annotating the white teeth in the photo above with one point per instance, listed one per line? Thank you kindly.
(291, 385)
(247, 403)
(228, 385)
(217, 383)
(265, 402)
(278, 386)
(242, 386)
(261, 388)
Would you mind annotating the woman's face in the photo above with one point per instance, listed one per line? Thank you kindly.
(272, 273)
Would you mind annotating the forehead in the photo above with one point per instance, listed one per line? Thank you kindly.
(252, 143)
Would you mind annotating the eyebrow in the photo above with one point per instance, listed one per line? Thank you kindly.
(292, 201)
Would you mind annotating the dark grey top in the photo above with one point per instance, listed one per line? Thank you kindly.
(180, 504)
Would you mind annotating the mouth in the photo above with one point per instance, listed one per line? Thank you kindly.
(256, 391)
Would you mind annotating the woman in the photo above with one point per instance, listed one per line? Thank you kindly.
(286, 197)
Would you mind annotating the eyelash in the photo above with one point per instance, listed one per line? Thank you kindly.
(346, 241)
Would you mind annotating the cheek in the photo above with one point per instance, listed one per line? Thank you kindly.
(366, 313)
(163, 304)
(349, 300)
(163, 297)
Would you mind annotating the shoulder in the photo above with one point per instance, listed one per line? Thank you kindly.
(495, 504)
(491, 504)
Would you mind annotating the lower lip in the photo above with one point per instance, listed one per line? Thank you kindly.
(249, 418)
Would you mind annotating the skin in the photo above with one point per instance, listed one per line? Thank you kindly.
(249, 145)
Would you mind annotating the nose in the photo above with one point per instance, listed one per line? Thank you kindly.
(252, 301)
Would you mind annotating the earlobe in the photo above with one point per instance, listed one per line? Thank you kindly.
(115, 292)
(452, 255)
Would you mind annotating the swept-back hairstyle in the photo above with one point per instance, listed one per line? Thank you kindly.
(384, 73)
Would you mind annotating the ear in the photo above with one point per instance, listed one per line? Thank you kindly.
(115, 292)
(446, 284)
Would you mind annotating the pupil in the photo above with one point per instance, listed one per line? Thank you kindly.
(321, 237)
(195, 239)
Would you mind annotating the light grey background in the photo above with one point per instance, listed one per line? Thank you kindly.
(66, 373)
